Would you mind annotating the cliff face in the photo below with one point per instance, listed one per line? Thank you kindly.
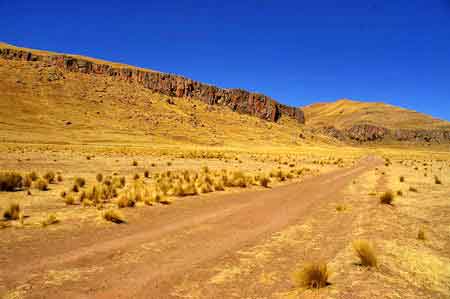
(172, 85)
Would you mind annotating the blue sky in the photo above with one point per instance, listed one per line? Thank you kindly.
(297, 52)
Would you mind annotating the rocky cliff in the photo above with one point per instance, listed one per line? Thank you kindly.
(172, 85)
(363, 133)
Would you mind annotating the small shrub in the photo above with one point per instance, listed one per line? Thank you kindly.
(412, 189)
(75, 188)
(387, 198)
(27, 182)
(12, 212)
(69, 200)
(264, 181)
(340, 208)
(365, 253)
(33, 176)
(50, 177)
(80, 182)
(153, 164)
(169, 163)
(125, 201)
(99, 177)
(421, 235)
(63, 194)
(146, 174)
(135, 163)
(400, 193)
(402, 179)
(312, 276)
(59, 178)
(113, 216)
(437, 181)
(136, 176)
(10, 181)
(51, 219)
(41, 184)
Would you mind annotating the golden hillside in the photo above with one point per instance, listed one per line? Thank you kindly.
(345, 113)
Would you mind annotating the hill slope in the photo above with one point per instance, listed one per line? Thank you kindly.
(47, 97)
(363, 121)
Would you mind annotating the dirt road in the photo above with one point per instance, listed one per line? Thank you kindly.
(176, 251)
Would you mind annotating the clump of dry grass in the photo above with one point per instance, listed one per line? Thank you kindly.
(113, 216)
(12, 212)
(264, 181)
(33, 176)
(50, 177)
(41, 184)
(99, 177)
(69, 200)
(437, 181)
(10, 181)
(341, 208)
(365, 253)
(50, 219)
(312, 276)
(421, 235)
(80, 182)
(412, 189)
(125, 201)
(387, 198)
(75, 188)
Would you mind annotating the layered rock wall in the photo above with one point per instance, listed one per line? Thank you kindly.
(172, 85)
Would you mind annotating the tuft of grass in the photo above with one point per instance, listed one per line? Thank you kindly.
(75, 188)
(50, 177)
(69, 200)
(12, 212)
(421, 235)
(80, 182)
(33, 176)
(264, 181)
(10, 181)
(113, 216)
(341, 208)
(387, 198)
(41, 184)
(437, 181)
(99, 177)
(49, 220)
(312, 276)
(125, 201)
(412, 189)
(365, 253)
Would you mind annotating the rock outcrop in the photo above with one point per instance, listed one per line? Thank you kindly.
(172, 85)
(363, 133)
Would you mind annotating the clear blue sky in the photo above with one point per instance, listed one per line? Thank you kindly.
(297, 52)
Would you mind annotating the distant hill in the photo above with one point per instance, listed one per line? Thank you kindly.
(363, 122)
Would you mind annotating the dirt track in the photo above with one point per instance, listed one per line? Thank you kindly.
(168, 247)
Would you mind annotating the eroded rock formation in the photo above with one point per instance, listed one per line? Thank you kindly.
(172, 85)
